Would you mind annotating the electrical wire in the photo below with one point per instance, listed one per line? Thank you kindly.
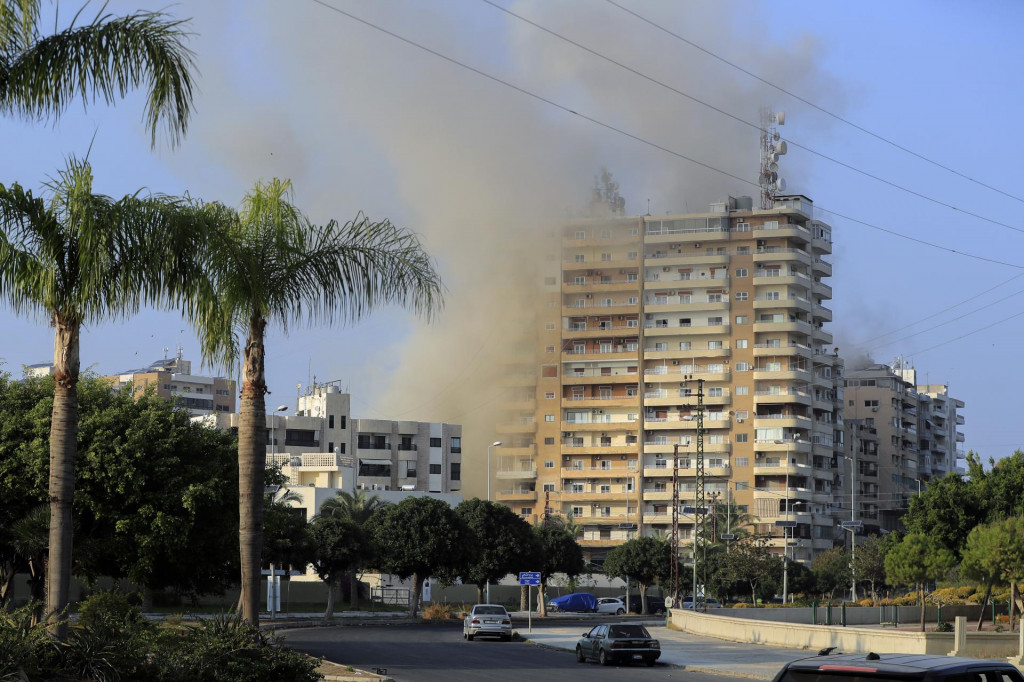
(815, 106)
(645, 141)
(755, 126)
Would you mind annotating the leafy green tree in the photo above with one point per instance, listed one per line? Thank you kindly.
(558, 552)
(358, 507)
(728, 517)
(947, 510)
(504, 538)
(869, 563)
(104, 59)
(983, 560)
(831, 571)
(1001, 487)
(268, 264)
(339, 546)
(79, 258)
(752, 562)
(645, 560)
(916, 560)
(418, 537)
(287, 536)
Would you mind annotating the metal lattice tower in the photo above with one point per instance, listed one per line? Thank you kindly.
(700, 510)
(771, 149)
(674, 582)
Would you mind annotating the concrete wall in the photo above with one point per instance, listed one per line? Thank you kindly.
(858, 615)
(848, 639)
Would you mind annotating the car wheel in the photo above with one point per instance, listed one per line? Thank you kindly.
(506, 638)
(470, 637)
(580, 658)
(622, 611)
(602, 658)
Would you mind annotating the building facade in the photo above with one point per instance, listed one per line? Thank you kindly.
(901, 436)
(638, 316)
(322, 446)
(173, 380)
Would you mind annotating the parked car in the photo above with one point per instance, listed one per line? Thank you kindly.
(711, 603)
(487, 619)
(577, 601)
(903, 667)
(611, 605)
(655, 605)
(618, 643)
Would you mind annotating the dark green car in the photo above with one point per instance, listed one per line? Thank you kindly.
(618, 643)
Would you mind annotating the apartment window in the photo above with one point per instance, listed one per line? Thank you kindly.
(742, 272)
(742, 366)
(716, 367)
(456, 445)
(549, 464)
(579, 280)
(742, 414)
(742, 461)
(630, 276)
(330, 446)
(742, 250)
(714, 298)
(684, 345)
(742, 437)
(410, 469)
(549, 487)
(742, 295)
(549, 395)
(435, 469)
(456, 471)
(742, 390)
(606, 234)
(606, 302)
(742, 319)
(741, 343)
(661, 345)
(549, 417)
(632, 300)
(632, 256)
(606, 257)
(715, 392)
(435, 442)
(577, 511)
(714, 345)
(631, 417)
(580, 234)
(606, 488)
(549, 326)
(330, 421)
(714, 321)
(579, 258)
(870, 403)
(549, 349)
(525, 511)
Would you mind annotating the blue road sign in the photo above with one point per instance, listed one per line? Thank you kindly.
(531, 578)
(852, 524)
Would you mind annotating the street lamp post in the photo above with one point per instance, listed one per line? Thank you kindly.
(273, 424)
(492, 445)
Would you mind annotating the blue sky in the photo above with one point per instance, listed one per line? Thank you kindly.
(363, 122)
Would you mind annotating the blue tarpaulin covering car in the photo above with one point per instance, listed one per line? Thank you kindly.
(577, 601)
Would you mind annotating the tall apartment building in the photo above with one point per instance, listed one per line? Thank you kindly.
(901, 435)
(635, 310)
(322, 446)
(172, 379)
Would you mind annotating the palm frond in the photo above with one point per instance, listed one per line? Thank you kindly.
(105, 60)
(18, 21)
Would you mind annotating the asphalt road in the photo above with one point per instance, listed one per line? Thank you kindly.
(437, 653)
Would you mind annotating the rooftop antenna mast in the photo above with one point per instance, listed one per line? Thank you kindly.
(772, 147)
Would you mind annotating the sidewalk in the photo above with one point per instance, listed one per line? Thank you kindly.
(690, 652)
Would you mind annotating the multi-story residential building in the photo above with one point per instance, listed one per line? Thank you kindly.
(638, 313)
(321, 446)
(172, 379)
(901, 436)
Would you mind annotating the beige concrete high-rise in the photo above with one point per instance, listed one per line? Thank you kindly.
(634, 311)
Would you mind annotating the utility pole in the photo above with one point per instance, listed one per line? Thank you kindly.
(674, 582)
(700, 511)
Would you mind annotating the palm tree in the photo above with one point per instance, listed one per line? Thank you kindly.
(78, 258)
(103, 59)
(270, 264)
(358, 508)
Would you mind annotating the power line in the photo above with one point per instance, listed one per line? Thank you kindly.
(755, 126)
(934, 315)
(971, 333)
(813, 105)
(645, 141)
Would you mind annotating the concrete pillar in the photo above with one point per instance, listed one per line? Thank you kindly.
(959, 636)
(1018, 660)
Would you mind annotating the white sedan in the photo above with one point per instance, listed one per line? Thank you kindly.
(487, 619)
(611, 605)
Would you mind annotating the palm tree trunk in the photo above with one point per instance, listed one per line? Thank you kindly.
(524, 598)
(252, 460)
(542, 607)
(63, 449)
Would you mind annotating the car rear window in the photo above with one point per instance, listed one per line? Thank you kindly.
(490, 610)
(628, 631)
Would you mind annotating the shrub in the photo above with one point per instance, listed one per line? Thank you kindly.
(438, 611)
(109, 609)
(25, 649)
(867, 601)
(740, 604)
(944, 626)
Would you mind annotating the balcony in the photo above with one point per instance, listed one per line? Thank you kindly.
(307, 461)
(776, 277)
(780, 468)
(512, 428)
(517, 495)
(762, 350)
(652, 328)
(788, 303)
(594, 308)
(822, 290)
(776, 254)
(781, 373)
(619, 470)
(788, 230)
(783, 398)
(776, 327)
(523, 471)
(571, 264)
(597, 285)
(822, 268)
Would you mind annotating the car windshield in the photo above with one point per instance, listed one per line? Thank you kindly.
(489, 610)
(623, 631)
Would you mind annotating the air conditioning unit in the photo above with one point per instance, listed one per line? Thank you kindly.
(566, 458)
(739, 421)
(696, 245)
(588, 296)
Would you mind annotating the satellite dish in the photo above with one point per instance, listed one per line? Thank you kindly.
(773, 157)
(780, 184)
(773, 166)
(780, 118)
(781, 148)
